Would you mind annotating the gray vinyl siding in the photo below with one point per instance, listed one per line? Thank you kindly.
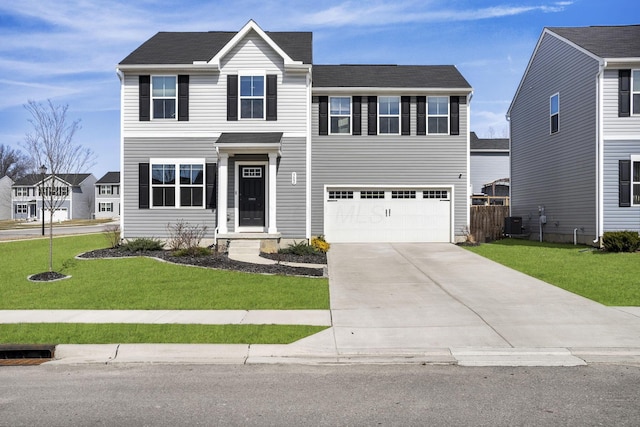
(614, 126)
(153, 222)
(556, 171)
(291, 208)
(431, 160)
(615, 217)
(486, 168)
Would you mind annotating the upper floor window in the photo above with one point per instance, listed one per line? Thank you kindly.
(635, 77)
(438, 114)
(251, 97)
(340, 112)
(163, 93)
(22, 191)
(105, 190)
(554, 112)
(57, 191)
(389, 114)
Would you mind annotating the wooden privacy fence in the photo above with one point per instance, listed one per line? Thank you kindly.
(487, 222)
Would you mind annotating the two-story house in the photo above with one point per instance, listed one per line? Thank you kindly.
(73, 196)
(489, 170)
(241, 133)
(107, 196)
(575, 135)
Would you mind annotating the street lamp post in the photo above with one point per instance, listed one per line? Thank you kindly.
(43, 170)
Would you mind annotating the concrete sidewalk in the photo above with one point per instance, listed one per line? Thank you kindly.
(399, 303)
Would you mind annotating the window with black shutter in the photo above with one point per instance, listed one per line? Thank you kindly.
(323, 115)
(421, 106)
(143, 185)
(272, 97)
(405, 115)
(356, 126)
(183, 98)
(624, 183)
(624, 93)
(144, 98)
(232, 97)
(372, 116)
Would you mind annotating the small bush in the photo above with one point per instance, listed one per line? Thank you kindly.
(299, 248)
(143, 244)
(621, 241)
(183, 235)
(320, 244)
(195, 251)
(112, 234)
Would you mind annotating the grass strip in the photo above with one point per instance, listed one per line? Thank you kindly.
(121, 333)
(608, 278)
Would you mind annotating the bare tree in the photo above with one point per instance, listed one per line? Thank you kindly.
(51, 145)
(13, 163)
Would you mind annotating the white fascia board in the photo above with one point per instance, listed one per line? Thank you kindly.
(251, 25)
(146, 68)
(389, 90)
(616, 63)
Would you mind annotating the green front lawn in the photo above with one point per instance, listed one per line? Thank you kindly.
(609, 278)
(143, 284)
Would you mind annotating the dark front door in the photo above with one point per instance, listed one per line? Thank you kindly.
(251, 197)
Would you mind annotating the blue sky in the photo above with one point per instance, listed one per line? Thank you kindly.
(68, 50)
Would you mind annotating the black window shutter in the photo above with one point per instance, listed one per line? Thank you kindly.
(232, 97)
(183, 97)
(405, 115)
(272, 97)
(144, 98)
(454, 115)
(372, 114)
(624, 93)
(421, 102)
(143, 185)
(323, 115)
(356, 126)
(210, 170)
(624, 183)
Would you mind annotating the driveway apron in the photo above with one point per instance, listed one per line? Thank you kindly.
(412, 296)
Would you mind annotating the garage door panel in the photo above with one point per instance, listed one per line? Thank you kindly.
(405, 217)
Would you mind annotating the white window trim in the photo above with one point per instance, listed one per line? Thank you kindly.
(105, 190)
(175, 98)
(22, 192)
(254, 73)
(342, 115)
(635, 158)
(399, 115)
(633, 92)
(20, 207)
(105, 207)
(551, 132)
(439, 116)
(176, 163)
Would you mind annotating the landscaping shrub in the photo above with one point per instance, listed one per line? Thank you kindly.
(621, 241)
(143, 244)
(195, 251)
(112, 234)
(183, 235)
(320, 244)
(299, 248)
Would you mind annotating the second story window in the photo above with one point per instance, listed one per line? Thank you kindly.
(340, 114)
(635, 96)
(251, 97)
(105, 190)
(389, 114)
(21, 191)
(554, 112)
(438, 114)
(163, 93)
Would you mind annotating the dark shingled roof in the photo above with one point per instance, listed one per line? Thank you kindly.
(250, 138)
(110, 178)
(605, 42)
(495, 144)
(34, 178)
(184, 47)
(394, 76)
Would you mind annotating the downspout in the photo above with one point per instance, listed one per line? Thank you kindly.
(122, 174)
(599, 153)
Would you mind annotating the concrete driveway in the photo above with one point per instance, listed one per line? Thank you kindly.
(413, 297)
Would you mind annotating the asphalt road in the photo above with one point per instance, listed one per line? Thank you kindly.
(287, 395)
(57, 231)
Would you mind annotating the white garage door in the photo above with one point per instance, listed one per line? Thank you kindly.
(59, 215)
(387, 215)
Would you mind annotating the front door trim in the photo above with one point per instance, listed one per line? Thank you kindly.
(236, 209)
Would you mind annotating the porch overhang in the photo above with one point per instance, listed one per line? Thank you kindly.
(249, 142)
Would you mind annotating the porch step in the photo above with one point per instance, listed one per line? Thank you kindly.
(244, 247)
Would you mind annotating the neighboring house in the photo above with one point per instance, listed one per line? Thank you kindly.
(575, 135)
(77, 190)
(240, 132)
(5, 197)
(489, 167)
(108, 196)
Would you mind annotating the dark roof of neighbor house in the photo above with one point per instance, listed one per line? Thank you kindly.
(250, 138)
(186, 47)
(394, 76)
(34, 178)
(493, 144)
(605, 42)
(110, 178)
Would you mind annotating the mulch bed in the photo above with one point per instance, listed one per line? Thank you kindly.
(47, 276)
(319, 258)
(219, 261)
